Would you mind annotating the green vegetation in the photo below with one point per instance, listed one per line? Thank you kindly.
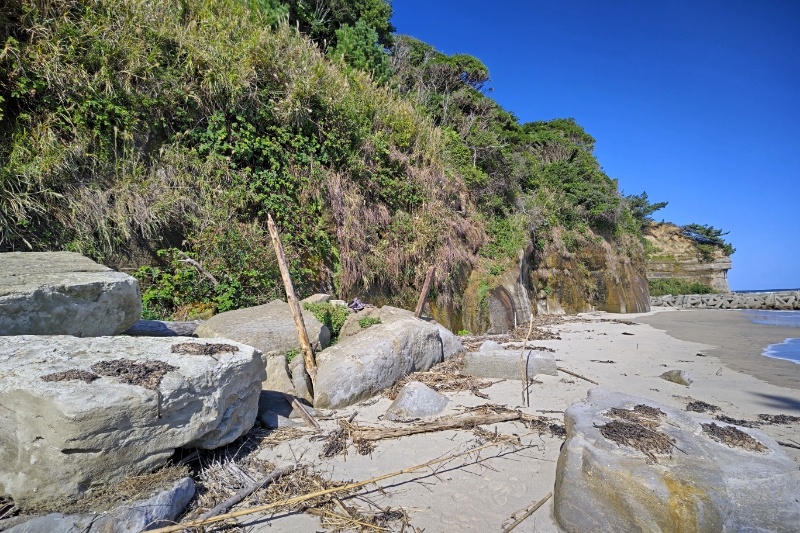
(660, 287)
(291, 354)
(368, 321)
(464, 332)
(333, 316)
(135, 132)
(708, 240)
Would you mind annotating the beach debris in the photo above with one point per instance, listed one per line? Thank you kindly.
(701, 407)
(571, 373)
(607, 361)
(779, 419)
(741, 487)
(735, 422)
(198, 348)
(789, 445)
(626, 333)
(444, 377)
(733, 437)
(73, 374)
(247, 491)
(272, 438)
(527, 512)
(416, 400)
(147, 374)
(681, 377)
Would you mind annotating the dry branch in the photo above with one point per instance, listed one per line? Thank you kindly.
(426, 287)
(199, 267)
(247, 491)
(523, 366)
(301, 409)
(577, 375)
(529, 512)
(294, 305)
(464, 422)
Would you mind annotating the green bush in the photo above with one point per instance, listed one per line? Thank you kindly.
(333, 316)
(291, 354)
(660, 287)
(368, 321)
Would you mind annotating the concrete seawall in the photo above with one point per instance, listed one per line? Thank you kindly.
(784, 301)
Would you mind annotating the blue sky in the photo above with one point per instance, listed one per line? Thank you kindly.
(697, 103)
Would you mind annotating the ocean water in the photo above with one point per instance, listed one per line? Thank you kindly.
(788, 349)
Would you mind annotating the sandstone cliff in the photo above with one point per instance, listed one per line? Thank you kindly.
(673, 255)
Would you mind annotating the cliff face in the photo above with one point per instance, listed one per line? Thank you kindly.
(673, 255)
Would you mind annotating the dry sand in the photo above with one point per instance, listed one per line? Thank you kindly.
(468, 496)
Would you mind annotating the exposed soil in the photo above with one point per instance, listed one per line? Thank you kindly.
(733, 437)
(69, 375)
(701, 407)
(196, 348)
(147, 375)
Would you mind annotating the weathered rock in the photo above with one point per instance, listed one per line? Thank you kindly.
(490, 346)
(275, 402)
(269, 327)
(64, 293)
(451, 344)
(162, 328)
(681, 377)
(159, 510)
(352, 327)
(416, 400)
(62, 435)
(318, 298)
(704, 486)
(273, 420)
(278, 378)
(300, 380)
(504, 364)
(362, 365)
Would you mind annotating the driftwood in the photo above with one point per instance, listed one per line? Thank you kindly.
(247, 491)
(301, 409)
(310, 496)
(161, 328)
(529, 512)
(294, 305)
(523, 367)
(426, 287)
(577, 375)
(438, 425)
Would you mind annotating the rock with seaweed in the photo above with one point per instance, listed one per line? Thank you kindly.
(64, 293)
(630, 464)
(77, 413)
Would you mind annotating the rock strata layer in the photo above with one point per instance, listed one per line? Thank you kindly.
(64, 293)
(82, 412)
(691, 481)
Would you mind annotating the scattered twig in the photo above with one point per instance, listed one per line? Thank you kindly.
(247, 491)
(577, 375)
(464, 422)
(529, 512)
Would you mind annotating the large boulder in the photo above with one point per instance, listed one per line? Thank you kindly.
(360, 366)
(269, 327)
(690, 481)
(505, 364)
(159, 510)
(64, 293)
(82, 412)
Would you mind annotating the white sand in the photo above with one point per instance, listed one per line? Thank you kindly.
(464, 496)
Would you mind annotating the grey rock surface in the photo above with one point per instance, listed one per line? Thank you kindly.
(159, 510)
(451, 344)
(269, 327)
(703, 486)
(319, 298)
(64, 293)
(278, 378)
(504, 364)
(360, 366)
(300, 380)
(491, 346)
(273, 420)
(416, 400)
(681, 377)
(162, 328)
(62, 436)
(352, 327)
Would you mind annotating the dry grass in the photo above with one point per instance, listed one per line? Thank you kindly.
(473, 342)
(733, 437)
(444, 377)
(638, 429)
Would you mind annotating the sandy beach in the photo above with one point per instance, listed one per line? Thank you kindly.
(468, 494)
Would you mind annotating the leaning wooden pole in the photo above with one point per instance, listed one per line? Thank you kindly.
(294, 305)
(423, 296)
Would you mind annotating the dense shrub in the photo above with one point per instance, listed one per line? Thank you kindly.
(660, 287)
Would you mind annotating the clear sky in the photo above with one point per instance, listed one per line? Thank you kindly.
(696, 102)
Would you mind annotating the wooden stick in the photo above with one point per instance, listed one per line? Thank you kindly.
(530, 512)
(294, 305)
(438, 425)
(577, 376)
(523, 370)
(426, 287)
(306, 497)
(247, 491)
(199, 267)
(300, 408)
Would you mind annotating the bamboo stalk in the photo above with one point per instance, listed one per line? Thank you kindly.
(577, 376)
(294, 305)
(438, 425)
(426, 287)
(306, 497)
(528, 513)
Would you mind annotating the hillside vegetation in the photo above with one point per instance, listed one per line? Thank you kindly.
(144, 133)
